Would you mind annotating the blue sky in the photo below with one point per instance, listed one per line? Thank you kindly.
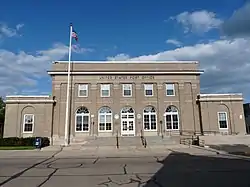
(216, 33)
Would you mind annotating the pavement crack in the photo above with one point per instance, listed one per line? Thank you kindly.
(157, 159)
(48, 178)
(96, 160)
(125, 169)
(25, 170)
(137, 176)
(47, 164)
(63, 167)
(106, 183)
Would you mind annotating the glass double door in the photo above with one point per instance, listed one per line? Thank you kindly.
(128, 125)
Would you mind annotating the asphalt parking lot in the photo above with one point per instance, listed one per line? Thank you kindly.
(174, 168)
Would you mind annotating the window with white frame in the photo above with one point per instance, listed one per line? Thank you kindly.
(105, 90)
(222, 119)
(83, 90)
(170, 89)
(171, 118)
(148, 89)
(28, 123)
(149, 118)
(127, 90)
(105, 119)
(82, 119)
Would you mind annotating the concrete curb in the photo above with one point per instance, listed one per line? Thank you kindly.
(108, 155)
(52, 148)
(224, 153)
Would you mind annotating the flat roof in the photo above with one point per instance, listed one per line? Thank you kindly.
(24, 96)
(221, 94)
(128, 61)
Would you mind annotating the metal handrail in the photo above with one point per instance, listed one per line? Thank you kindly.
(143, 140)
(117, 140)
(190, 132)
(192, 141)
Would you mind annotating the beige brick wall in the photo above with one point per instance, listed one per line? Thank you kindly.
(232, 104)
(50, 119)
(186, 89)
(17, 107)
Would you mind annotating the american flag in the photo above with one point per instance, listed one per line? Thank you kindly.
(74, 35)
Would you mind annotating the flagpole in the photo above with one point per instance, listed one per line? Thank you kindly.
(68, 86)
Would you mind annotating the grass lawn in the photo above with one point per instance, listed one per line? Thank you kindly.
(16, 147)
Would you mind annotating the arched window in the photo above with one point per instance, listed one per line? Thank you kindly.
(127, 110)
(82, 119)
(149, 118)
(105, 119)
(172, 118)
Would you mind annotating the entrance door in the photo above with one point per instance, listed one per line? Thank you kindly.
(127, 122)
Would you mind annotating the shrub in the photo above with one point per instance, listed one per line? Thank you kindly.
(29, 141)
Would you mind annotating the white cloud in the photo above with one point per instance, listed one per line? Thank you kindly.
(226, 63)
(118, 57)
(78, 49)
(198, 21)
(6, 31)
(239, 23)
(174, 42)
(21, 70)
(19, 26)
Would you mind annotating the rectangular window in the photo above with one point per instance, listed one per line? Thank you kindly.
(172, 122)
(105, 90)
(105, 122)
(222, 119)
(127, 90)
(82, 123)
(28, 123)
(149, 121)
(83, 90)
(170, 90)
(148, 89)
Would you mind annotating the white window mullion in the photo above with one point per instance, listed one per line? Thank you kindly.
(148, 89)
(150, 123)
(105, 121)
(82, 123)
(172, 121)
(28, 123)
(127, 90)
(83, 90)
(170, 90)
(105, 90)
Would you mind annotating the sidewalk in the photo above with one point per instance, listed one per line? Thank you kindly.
(226, 140)
(27, 153)
(78, 151)
(110, 151)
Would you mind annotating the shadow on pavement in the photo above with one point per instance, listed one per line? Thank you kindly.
(181, 169)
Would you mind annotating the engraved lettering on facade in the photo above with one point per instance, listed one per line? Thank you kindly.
(136, 77)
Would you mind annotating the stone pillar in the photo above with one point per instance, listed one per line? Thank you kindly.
(93, 94)
(160, 108)
(138, 110)
(116, 109)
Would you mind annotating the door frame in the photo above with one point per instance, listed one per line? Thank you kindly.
(128, 132)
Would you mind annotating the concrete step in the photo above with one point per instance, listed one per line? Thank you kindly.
(126, 141)
(101, 141)
(158, 140)
(130, 141)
